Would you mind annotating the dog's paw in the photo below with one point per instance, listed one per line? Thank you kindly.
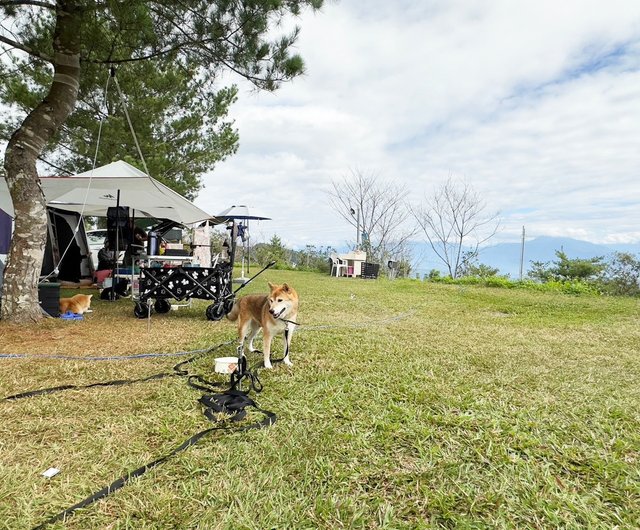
(288, 362)
(268, 366)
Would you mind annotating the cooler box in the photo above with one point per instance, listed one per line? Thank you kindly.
(49, 298)
(370, 270)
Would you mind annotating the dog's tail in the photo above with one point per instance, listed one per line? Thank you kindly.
(235, 311)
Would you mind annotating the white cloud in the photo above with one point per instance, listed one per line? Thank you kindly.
(536, 104)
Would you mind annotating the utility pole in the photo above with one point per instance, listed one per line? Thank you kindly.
(522, 255)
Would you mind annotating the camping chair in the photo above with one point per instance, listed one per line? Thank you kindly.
(338, 266)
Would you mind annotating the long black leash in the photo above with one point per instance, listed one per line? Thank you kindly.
(244, 284)
(178, 370)
(229, 405)
(231, 402)
(117, 382)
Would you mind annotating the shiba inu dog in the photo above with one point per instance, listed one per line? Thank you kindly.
(76, 304)
(269, 313)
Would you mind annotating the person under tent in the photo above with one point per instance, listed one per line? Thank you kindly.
(136, 247)
(106, 256)
(106, 262)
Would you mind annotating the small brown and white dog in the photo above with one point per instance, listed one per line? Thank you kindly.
(78, 304)
(273, 313)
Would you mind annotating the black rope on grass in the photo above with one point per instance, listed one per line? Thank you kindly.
(117, 382)
(100, 358)
(177, 371)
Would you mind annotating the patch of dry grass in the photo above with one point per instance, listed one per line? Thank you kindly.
(111, 329)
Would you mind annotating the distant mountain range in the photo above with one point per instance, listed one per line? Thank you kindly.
(506, 256)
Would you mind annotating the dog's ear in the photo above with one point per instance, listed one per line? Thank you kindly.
(90, 296)
(271, 286)
(285, 287)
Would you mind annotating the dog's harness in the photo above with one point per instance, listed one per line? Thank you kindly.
(286, 336)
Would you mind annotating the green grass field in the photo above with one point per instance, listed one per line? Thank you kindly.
(410, 405)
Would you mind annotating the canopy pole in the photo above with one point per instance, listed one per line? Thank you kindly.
(114, 270)
(248, 248)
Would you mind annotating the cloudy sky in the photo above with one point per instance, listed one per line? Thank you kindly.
(536, 104)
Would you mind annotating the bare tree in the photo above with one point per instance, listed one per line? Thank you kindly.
(378, 211)
(456, 223)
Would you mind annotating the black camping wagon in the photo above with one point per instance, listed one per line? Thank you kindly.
(158, 284)
(173, 276)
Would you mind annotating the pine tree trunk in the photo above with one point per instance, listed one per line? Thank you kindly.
(20, 292)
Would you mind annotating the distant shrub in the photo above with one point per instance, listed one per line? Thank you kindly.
(575, 287)
(567, 287)
(469, 280)
(478, 270)
(500, 281)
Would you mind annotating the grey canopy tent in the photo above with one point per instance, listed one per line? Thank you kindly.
(92, 193)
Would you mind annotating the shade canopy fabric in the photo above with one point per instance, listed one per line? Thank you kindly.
(92, 192)
(241, 212)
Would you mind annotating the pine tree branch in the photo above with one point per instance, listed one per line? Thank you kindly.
(26, 49)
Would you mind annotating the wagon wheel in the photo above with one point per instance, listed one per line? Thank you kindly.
(109, 294)
(228, 305)
(162, 305)
(141, 310)
(215, 311)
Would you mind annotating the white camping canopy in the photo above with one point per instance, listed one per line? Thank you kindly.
(241, 212)
(94, 192)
